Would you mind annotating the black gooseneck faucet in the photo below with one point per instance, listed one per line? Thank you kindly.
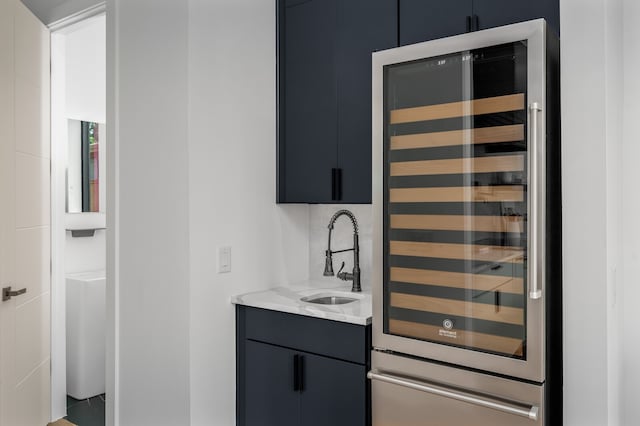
(328, 266)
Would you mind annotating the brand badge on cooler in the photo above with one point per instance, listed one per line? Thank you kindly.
(448, 325)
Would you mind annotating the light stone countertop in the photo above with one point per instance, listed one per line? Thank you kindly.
(287, 299)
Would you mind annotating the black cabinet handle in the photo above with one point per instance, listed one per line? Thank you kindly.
(336, 184)
(476, 23)
(301, 372)
(333, 183)
(468, 23)
(298, 373)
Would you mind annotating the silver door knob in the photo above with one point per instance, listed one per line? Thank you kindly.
(7, 294)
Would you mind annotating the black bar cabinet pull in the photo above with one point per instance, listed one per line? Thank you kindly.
(476, 23)
(296, 371)
(300, 373)
(468, 23)
(336, 184)
(334, 179)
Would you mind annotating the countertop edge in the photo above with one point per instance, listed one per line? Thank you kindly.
(296, 311)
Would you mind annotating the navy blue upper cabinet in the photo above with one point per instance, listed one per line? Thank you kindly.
(494, 13)
(422, 20)
(364, 26)
(324, 96)
(307, 119)
(324, 80)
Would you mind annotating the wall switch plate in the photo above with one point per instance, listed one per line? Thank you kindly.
(224, 259)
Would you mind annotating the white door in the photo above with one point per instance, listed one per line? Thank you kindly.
(24, 217)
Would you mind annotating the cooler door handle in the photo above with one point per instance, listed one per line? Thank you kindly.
(522, 410)
(536, 153)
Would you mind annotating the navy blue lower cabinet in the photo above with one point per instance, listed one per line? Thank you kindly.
(270, 398)
(324, 96)
(318, 379)
(334, 392)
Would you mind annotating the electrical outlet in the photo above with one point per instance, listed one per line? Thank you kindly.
(224, 259)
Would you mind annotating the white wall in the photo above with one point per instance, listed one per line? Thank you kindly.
(584, 215)
(629, 297)
(613, 120)
(80, 94)
(86, 70)
(591, 95)
(149, 108)
(232, 189)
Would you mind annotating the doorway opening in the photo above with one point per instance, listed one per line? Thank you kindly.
(78, 219)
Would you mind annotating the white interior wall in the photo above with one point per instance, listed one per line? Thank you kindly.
(613, 120)
(85, 99)
(151, 264)
(232, 189)
(584, 211)
(630, 294)
(86, 70)
(591, 137)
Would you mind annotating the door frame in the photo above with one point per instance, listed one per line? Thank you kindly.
(58, 236)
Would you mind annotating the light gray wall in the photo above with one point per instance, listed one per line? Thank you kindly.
(232, 189)
(629, 297)
(614, 73)
(591, 138)
(584, 216)
(84, 50)
(194, 128)
(149, 96)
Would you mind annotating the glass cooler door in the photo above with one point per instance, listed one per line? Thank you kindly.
(455, 200)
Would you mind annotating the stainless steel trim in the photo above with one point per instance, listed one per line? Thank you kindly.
(516, 409)
(534, 34)
(535, 292)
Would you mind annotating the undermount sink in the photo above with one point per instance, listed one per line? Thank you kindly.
(329, 299)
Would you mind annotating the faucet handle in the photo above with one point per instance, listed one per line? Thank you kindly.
(341, 268)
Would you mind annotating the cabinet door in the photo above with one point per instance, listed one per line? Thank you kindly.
(270, 398)
(494, 13)
(364, 26)
(422, 20)
(333, 393)
(307, 130)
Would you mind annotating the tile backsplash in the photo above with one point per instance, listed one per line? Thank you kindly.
(342, 238)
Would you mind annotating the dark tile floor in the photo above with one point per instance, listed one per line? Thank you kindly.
(86, 412)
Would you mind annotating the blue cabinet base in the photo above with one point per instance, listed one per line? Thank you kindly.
(296, 370)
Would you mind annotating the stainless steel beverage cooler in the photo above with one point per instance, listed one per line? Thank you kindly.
(467, 282)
